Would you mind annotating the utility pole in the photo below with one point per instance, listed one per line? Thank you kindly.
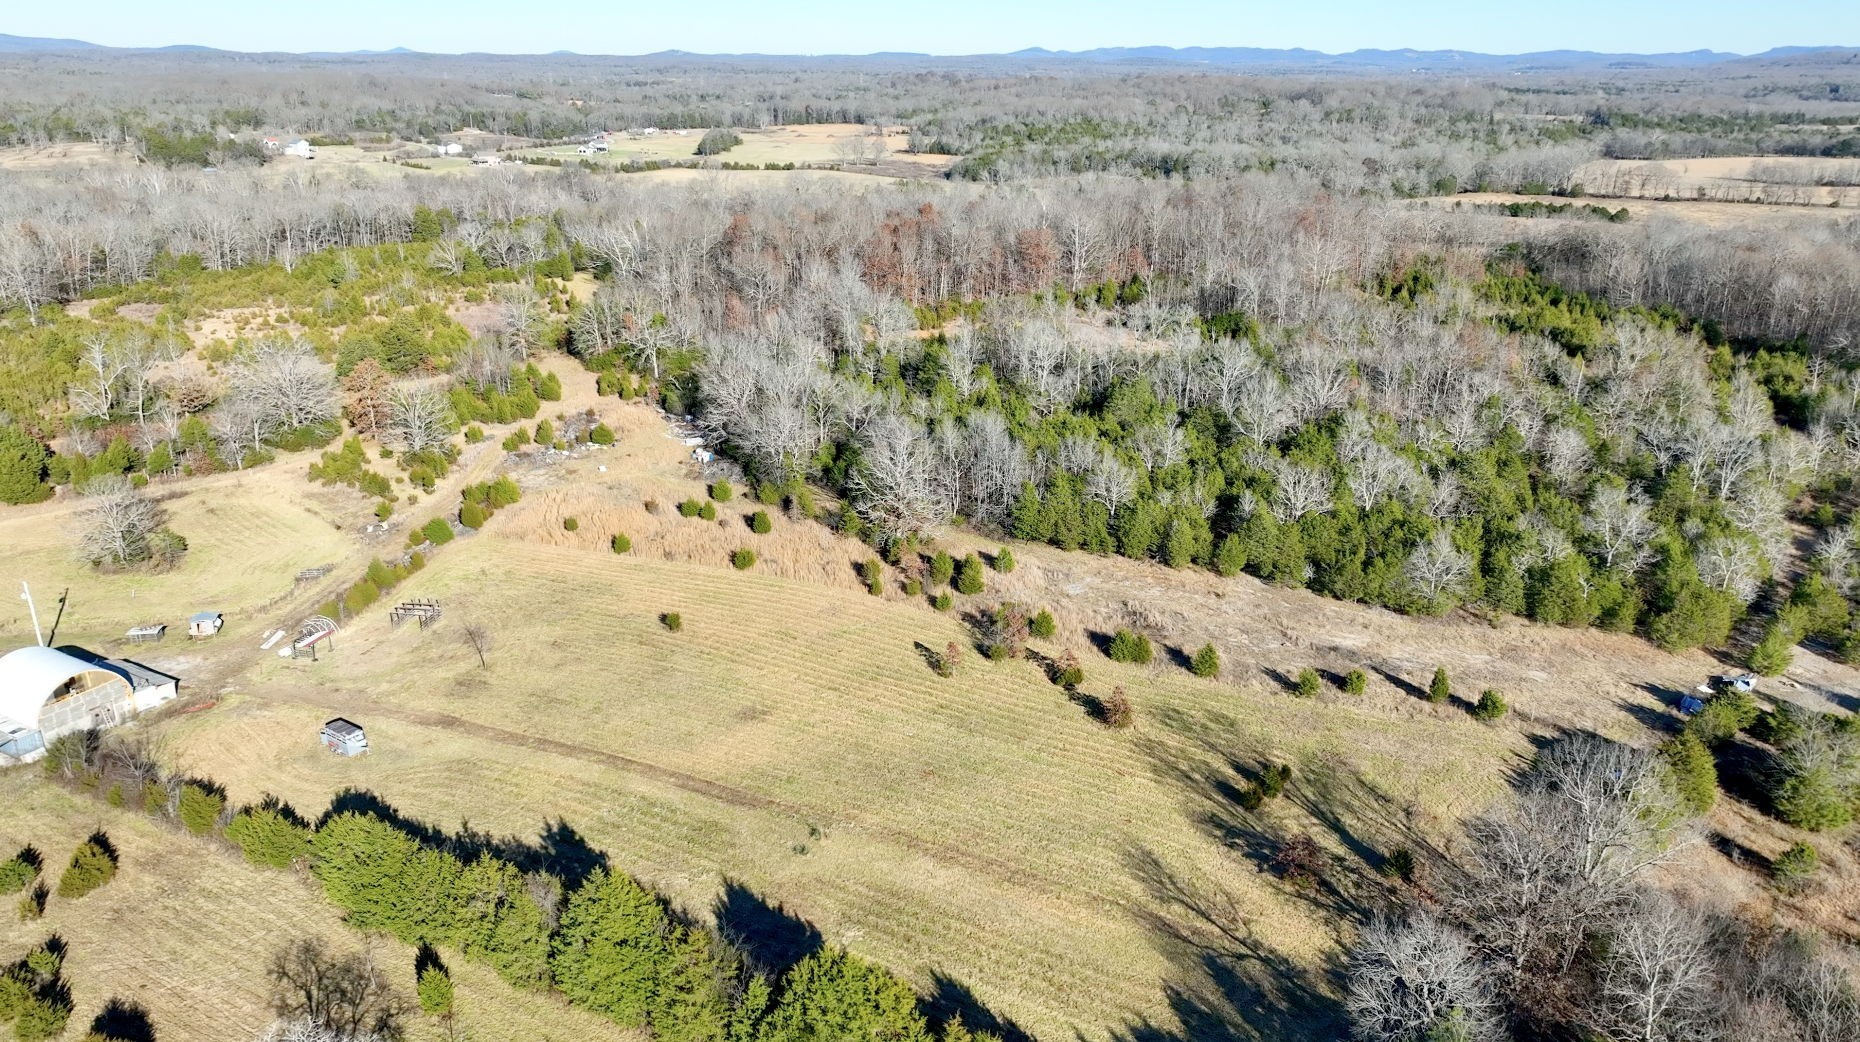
(25, 594)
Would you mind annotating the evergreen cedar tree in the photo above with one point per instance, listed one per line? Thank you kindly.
(1793, 866)
(743, 558)
(18, 871)
(24, 465)
(1491, 705)
(199, 808)
(621, 543)
(1130, 647)
(942, 568)
(1206, 663)
(1355, 682)
(1309, 683)
(1042, 624)
(969, 575)
(434, 986)
(91, 867)
(1440, 688)
(270, 835)
(759, 522)
(1694, 771)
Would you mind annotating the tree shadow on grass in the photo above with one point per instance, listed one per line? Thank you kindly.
(1746, 769)
(122, 1021)
(927, 653)
(1285, 682)
(950, 1001)
(1653, 718)
(1401, 683)
(769, 936)
(1228, 984)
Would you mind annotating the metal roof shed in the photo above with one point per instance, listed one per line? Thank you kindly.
(345, 737)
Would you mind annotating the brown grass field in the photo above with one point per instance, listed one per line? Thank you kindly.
(982, 835)
(804, 145)
(1708, 213)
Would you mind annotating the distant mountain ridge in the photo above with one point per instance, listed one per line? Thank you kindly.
(19, 44)
(1400, 59)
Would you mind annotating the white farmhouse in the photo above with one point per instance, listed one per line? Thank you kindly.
(300, 148)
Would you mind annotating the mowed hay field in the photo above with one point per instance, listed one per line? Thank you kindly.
(187, 930)
(248, 535)
(817, 143)
(981, 830)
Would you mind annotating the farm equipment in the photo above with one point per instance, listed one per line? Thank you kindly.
(1742, 684)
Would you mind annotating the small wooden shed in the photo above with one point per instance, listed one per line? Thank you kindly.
(205, 623)
(345, 737)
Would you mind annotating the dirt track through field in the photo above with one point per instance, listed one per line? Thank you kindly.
(725, 794)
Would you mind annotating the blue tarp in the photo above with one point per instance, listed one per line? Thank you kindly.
(1689, 705)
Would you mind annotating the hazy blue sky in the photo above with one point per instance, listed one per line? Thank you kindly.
(942, 26)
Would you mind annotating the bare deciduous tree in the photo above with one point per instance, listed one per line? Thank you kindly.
(278, 385)
(1437, 569)
(1729, 565)
(1658, 980)
(344, 994)
(1621, 525)
(477, 637)
(1299, 490)
(1417, 979)
(894, 484)
(115, 523)
(419, 417)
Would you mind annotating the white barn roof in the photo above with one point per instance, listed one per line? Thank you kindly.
(28, 677)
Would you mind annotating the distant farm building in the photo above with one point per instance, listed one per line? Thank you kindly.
(205, 623)
(345, 737)
(146, 634)
(300, 148)
(450, 148)
(486, 159)
(48, 692)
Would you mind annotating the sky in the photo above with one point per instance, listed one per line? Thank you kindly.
(943, 26)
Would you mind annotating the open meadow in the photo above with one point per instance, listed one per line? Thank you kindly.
(790, 746)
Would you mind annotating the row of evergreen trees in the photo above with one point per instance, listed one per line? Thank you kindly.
(603, 940)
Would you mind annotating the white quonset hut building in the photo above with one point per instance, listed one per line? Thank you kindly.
(47, 692)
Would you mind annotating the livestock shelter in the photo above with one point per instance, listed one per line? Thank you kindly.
(48, 692)
(345, 737)
(205, 623)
